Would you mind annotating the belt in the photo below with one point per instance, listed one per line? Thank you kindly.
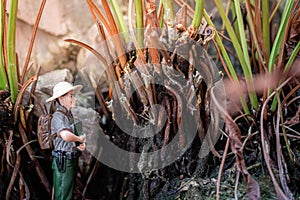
(68, 154)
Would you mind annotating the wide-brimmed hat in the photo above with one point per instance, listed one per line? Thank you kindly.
(62, 88)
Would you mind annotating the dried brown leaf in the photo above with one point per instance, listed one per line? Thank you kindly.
(252, 187)
(236, 145)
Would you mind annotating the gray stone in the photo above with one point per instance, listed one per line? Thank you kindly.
(47, 81)
(59, 18)
(90, 124)
(91, 127)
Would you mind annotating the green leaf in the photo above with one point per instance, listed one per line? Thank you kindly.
(227, 60)
(138, 4)
(198, 13)
(3, 77)
(266, 25)
(120, 19)
(286, 68)
(280, 35)
(11, 51)
(240, 50)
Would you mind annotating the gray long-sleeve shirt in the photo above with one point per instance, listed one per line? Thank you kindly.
(62, 120)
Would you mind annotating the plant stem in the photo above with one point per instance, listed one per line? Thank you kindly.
(222, 48)
(223, 26)
(234, 23)
(227, 60)
(287, 143)
(161, 22)
(198, 13)
(169, 12)
(11, 51)
(243, 40)
(34, 31)
(120, 19)
(110, 26)
(3, 76)
(274, 11)
(253, 32)
(292, 57)
(245, 62)
(266, 25)
(278, 44)
(116, 40)
(280, 35)
(286, 68)
(138, 4)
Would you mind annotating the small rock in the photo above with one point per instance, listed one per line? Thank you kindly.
(47, 81)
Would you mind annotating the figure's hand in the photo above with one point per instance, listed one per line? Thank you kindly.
(82, 138)
(81, 147)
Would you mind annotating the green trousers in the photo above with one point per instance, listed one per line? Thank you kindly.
(64, 182)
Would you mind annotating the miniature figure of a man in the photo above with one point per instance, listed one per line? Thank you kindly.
(66, 151)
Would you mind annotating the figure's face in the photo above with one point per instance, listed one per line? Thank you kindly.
(68, 100)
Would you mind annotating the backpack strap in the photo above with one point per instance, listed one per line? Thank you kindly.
(61, 112)
(52, 107)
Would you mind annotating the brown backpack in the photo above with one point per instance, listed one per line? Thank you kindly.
(44, 129)
(44, 135)
(44, 132)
